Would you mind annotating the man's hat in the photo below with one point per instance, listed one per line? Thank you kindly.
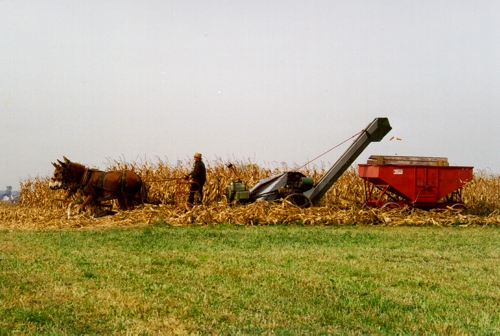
(197, 155)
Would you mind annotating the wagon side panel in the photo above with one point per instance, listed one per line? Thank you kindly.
(452, 179)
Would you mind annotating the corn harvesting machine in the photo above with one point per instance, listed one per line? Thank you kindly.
(300, 189)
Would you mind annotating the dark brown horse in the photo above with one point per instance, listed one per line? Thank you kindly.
(96, 186)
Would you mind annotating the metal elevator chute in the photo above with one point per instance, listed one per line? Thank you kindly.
(374, 132)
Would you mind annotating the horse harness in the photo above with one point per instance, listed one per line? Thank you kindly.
(99, 186)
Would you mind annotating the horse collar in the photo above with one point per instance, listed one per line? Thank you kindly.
(85, 178)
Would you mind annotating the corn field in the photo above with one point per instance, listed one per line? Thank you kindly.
(40, 207)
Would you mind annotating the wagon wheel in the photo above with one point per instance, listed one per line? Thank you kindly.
(391, 205)
(299, 200)
(460, 207)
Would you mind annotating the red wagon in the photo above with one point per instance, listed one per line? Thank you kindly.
(422, 182)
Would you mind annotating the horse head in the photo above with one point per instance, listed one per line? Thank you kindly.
(65, 174)
(57, 181)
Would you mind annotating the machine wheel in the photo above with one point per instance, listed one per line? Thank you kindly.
(390, 205)
(299, 200)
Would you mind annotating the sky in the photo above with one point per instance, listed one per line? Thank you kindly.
(274, 81)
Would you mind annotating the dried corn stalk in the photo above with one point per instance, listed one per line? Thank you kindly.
(42, 208)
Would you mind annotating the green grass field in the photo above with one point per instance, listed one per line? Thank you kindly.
(272, 279)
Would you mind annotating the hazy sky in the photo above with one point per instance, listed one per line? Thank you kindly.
(271, 81)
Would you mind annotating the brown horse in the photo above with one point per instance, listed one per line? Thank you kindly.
(97, 186)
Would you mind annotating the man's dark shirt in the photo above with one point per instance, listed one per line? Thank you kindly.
(199, 173)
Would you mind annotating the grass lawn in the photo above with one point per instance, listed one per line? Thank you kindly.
(230, 279)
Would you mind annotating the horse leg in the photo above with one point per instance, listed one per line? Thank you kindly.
(122, 203)
(130, 203)
(87, 200)
(68, 211)
(99, 208)
(76, 200)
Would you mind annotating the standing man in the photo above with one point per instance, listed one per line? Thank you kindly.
(198, 176)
